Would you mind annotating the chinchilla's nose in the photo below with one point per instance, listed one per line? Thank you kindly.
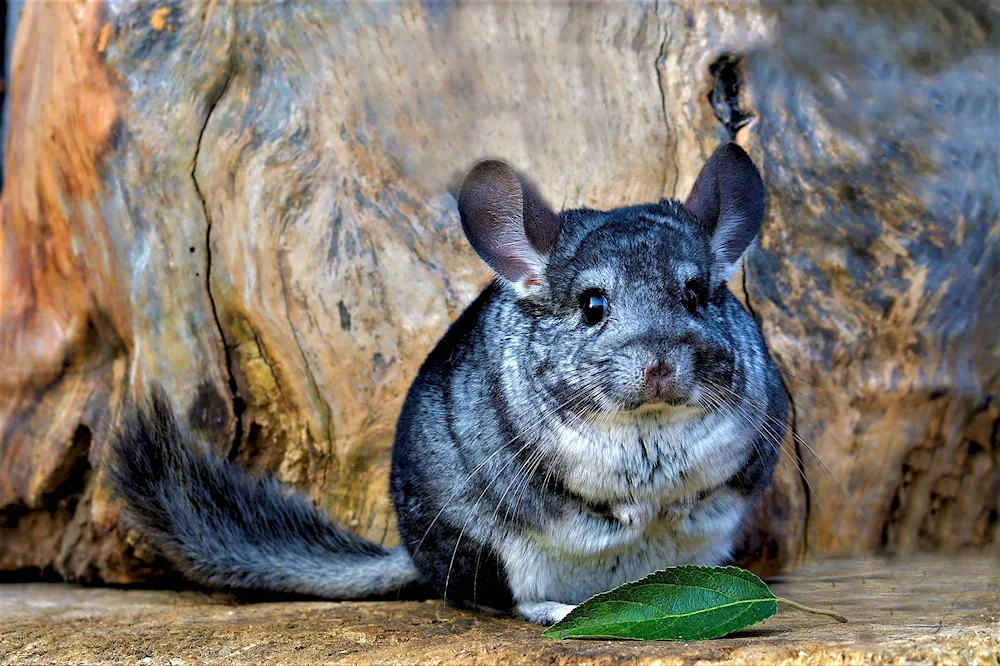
(659, 378)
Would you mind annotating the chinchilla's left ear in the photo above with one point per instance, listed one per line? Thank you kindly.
(728, 199)
(508, 223)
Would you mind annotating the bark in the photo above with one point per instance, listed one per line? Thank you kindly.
(252, 204)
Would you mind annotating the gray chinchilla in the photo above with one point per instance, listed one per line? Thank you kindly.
(604, 409)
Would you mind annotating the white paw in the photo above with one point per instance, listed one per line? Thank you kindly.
(633, 515)
(561, 611)
(543, 612)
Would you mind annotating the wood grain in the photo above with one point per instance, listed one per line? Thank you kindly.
(252, 204)
(894, 606)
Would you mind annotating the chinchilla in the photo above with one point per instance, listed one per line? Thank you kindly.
(605, 408)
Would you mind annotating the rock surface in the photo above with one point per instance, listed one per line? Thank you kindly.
(925, 611)
(249, 204)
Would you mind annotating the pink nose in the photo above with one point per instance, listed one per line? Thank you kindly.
(658, 376)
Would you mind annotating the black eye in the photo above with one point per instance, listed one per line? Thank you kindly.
(694, 296)
(594, 304)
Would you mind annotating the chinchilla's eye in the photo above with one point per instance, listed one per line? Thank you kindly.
(594, 304)
(694, 296)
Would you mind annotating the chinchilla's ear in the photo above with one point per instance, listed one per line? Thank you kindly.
(728, 200)
(508, 223)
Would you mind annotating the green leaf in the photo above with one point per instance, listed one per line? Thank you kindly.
(685, 603)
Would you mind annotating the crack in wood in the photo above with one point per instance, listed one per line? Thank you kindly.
(238, 404)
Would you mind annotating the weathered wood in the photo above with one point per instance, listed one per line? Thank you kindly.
(931, 611)
(248, 203)
(878, 275)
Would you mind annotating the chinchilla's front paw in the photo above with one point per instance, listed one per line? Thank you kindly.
(633, 515)
(545, 613)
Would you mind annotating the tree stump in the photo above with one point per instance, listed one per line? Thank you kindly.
(252, 204)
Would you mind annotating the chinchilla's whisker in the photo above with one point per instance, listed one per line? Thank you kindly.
(768, 433)
(542, 452)
(518, 484)
(825, 467)
(805, 380)
(716, 402)
(540, 458)
(534, 461)
(552, 410)
(458, 541)
(486, 490)
(771, 434)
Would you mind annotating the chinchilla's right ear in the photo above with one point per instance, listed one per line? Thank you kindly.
(508, 223)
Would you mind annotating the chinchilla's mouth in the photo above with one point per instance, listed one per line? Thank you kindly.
(661, 407)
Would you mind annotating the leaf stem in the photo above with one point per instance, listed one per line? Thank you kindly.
(829, 613)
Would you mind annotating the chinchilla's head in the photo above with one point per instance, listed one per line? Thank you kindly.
(623, 309)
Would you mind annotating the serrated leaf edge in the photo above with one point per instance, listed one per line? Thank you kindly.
(746, 602)
(736, 572)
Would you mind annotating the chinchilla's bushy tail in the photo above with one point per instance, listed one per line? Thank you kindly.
(223, 528)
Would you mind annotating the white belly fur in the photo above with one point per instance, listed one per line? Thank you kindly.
(582, 554)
